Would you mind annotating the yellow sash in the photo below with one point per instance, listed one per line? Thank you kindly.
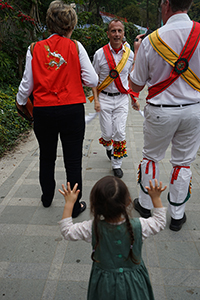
(118, 68)
(171, 57)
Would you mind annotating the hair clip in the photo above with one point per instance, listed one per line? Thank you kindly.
(93, 251)
(131, 247)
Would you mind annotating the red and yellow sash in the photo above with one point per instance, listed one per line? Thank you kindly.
(114, 72)
(180, 63)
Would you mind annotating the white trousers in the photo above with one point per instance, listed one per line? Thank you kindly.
(181, 127)
(112, 118)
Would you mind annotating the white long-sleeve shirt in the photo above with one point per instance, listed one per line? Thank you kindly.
(150, 68)
(88, 74)
(83, 230)
(102, 69)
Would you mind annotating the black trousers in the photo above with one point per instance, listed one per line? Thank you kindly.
(68, 121)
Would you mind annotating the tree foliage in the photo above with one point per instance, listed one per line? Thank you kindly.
(144, 13)
(194, 12)
(137, 14)
(131, 13)
(17, 29)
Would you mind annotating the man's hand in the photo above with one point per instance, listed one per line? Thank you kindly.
(137, 42)
(135, 105)
(97, 106)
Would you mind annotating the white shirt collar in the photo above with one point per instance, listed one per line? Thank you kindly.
(183, 17)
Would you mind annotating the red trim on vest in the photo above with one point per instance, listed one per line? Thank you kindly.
(186, 53)
(56, 73)
(176, 172)
(117, 81)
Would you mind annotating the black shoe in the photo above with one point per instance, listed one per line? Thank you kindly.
(45, 202)
(108, 152)
(83, 207)
(145, 213)
(176, 225)
(118, 173)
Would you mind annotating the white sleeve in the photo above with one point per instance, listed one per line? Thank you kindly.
(77, 231)
(132, 60)
(26, 85)
(88, 74)
(140, 74)
(96, 61)
(154, 224)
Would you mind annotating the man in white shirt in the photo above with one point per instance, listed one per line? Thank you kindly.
(112, 101)
(172, 113)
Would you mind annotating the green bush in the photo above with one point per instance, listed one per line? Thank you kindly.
(7, 69)
(11, 125)
(130, 33)
(91, 38)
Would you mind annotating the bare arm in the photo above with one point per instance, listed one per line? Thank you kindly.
(96, 100)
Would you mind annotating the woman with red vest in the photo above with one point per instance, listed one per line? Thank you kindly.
(55, 71)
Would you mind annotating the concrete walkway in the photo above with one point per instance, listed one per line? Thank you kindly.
(36, 263)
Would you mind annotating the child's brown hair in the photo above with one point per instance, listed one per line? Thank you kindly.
(109, 198)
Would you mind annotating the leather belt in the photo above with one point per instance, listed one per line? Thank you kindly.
(165, 105)
(110, 94)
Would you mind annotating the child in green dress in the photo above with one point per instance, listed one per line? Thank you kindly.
(118, 271)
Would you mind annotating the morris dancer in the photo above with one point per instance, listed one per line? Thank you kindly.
(168, 62)
(113, 64)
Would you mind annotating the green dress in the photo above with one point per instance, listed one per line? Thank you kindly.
(115, 277)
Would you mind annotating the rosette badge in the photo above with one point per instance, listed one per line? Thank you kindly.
(181, 65)
(113, 74)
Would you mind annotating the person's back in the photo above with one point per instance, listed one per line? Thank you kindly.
(168, 62)
(118, 271)
(56, 72)
(175, 34)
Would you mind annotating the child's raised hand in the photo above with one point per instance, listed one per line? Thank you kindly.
(155, 192)
(70, 195)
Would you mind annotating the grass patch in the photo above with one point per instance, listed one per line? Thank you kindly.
(11, 125)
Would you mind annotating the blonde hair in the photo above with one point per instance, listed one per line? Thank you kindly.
(61, 18)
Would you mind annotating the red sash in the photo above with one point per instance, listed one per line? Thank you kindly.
(181, 64)
(117, 80)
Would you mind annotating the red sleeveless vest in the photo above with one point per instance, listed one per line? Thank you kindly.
(56, 73)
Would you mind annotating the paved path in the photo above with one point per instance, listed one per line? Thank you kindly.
(36, 263)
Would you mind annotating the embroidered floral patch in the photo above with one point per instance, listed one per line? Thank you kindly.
(181, 65)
